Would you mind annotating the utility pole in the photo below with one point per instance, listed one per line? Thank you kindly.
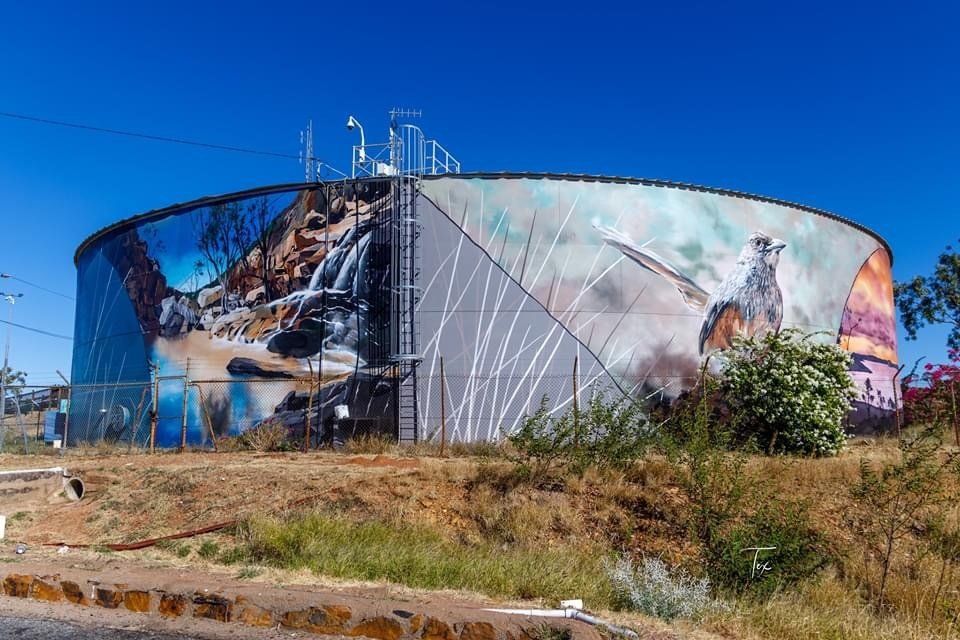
(11, 298)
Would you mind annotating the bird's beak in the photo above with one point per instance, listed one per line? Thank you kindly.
(776, 246)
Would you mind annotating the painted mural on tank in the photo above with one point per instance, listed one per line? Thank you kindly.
(651, 278)
(279, 301)
(284, 288)
(869, 332)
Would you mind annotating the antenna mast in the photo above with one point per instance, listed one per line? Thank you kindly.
(306, 155)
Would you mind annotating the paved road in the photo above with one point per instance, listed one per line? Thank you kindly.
(34, 629)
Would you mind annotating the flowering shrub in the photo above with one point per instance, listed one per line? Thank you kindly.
(929, 396)
(655, 590)
(788, 392)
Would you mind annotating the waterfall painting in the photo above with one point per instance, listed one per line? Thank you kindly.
(288, 289)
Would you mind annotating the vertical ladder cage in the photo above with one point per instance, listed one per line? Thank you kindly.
(404, 160)
(407, 150)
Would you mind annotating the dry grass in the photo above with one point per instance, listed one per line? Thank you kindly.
(370, 443)
(476, 511)
(418, 556)
(826, 609)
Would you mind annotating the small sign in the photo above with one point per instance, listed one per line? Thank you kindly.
(53, 425)
(64, 405)
(341, 411)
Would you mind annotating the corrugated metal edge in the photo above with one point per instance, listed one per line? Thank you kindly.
(573, 177)
(653, 182)
(173, 209)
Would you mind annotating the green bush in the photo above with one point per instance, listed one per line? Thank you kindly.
(798, 551)
(788, 393)
(607, 433)
(892, 501)
(208, 550)
(730, 511)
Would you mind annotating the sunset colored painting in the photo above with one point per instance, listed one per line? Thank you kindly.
(869, 320)
(868, 332)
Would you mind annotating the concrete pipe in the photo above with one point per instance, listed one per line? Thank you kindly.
(73, 488)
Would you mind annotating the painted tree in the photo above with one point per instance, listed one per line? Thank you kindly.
(260, 220)
(240, 234)
(216, 229)
(933, 299)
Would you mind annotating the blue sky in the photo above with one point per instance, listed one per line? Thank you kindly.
(850, 107)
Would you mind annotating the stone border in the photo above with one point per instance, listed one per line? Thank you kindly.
(318, 617)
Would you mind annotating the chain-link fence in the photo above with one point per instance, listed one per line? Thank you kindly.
(28, 412)
(179, 412)
(475, 407)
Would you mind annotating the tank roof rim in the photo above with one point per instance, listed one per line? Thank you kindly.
(174, 208)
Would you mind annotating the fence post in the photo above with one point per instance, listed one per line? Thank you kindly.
(896, 399)
(23, 429)
(154, 406)
(443, 409)
(953, 409)
(183, 417)
(206, 416)
(576, 402)
(36, 407)
(136, 419)
(307, 436)
(306, 417)
(66, 419)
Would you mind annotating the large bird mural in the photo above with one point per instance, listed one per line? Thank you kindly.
(747, 302)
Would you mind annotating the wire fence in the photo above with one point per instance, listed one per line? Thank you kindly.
(176, 412)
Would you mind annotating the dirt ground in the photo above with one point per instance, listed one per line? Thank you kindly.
(136, 496)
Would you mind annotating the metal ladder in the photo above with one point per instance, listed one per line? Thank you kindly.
(406, 295)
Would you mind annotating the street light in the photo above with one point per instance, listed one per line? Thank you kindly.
(351, 123)
(11, 298)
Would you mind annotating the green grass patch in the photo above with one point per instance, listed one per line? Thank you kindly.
(208, 550)
(419, 557)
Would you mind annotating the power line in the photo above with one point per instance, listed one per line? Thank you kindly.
(36, 286)
(41, 331)
(150, 136)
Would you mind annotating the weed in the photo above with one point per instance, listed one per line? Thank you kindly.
(179, 549)
(208, 550)
(825, 608)
(419, 557)
(607, 433)
(249, 572)
(548, 632)
(654, 590)
(795, 551)
(893, 500)
(377, 443)
(233, 555)
(270, 435)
